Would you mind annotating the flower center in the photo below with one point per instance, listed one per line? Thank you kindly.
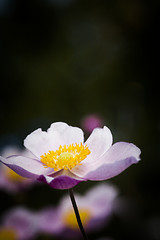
(70, 220)
(66, 157)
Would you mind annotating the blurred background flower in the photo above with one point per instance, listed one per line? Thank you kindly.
(91, 121)
(96, 207)
(63, 60)
(18, 224)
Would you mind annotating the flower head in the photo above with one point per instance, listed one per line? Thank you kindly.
(19, 224)
(62, 159)
(95, 208)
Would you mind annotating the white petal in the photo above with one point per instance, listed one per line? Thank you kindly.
(40, 142)
(58, 126)
(98, 143)
(67, 133)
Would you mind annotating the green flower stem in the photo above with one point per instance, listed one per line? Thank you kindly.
(77, 214)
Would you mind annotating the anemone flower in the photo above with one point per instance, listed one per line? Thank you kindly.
(62, 159)
(9, 180)
(19, 224)
(95, 207)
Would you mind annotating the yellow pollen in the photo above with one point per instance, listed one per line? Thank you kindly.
(70, 220)
(66, 157)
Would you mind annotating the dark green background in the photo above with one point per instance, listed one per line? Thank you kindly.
(61, 60)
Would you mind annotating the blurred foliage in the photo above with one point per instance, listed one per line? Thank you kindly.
(61, 60)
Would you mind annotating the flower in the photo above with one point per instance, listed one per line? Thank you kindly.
(62, 159)
(90, 122)
(95, 208)
(19, 224)
(9, 180)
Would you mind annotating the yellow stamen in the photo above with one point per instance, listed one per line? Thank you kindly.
(66, 157)
(70, 220)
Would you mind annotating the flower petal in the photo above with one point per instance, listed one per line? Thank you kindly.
(25, 166)
(68, 133)
(98, 143)
(102, 197)
(40, 142)
(46, 218)
(60, 182)
(119, 157)
(102, 194)
(23, 221)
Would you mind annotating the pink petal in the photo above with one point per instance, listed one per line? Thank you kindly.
(60, 182)
(119, 157)
(25, 166)
(46, 218)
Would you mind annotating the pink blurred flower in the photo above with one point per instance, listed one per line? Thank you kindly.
(62, 159)
(95, 207)
(90, 122)
(19, 224)
(9, 180)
